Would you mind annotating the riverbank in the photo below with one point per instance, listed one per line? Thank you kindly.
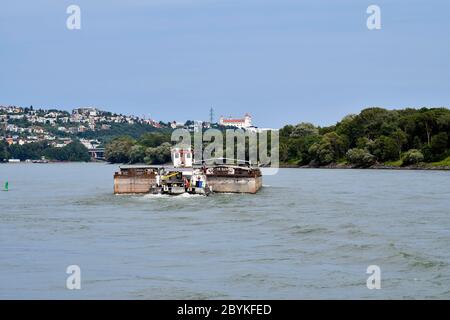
(423, 166)
(442, 165)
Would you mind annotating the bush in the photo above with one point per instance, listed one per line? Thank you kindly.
(412, 156)
(360, 157)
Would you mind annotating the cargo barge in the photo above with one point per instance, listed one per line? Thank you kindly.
(173, 181)
(184, 177)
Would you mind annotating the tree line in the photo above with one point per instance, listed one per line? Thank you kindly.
(151, 148)
(74, 151)
(375, 135)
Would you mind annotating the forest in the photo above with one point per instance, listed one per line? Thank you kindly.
(374, 136)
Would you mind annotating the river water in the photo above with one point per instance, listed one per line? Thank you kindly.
(309, 233)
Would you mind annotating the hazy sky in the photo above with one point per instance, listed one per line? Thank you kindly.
(283, 61)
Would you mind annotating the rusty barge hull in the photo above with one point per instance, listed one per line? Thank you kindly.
(221, 179)
(234, 179)
(133, 185)
(234, 185)
(134, 180)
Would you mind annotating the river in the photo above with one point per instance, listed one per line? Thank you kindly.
(308, 234)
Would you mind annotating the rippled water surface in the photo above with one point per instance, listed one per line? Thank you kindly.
(307, 234)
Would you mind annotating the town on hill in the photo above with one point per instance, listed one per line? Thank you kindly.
(32, 134)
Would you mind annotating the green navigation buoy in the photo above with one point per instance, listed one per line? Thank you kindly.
(6, 186)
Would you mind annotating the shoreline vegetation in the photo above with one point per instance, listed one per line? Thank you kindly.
(428, 167)
(424, 166)
(376, 138)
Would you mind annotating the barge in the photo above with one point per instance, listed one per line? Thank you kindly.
(234, 179)
(187, 177)
(135, 179)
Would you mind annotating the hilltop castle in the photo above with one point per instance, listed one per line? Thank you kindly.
(246, 122)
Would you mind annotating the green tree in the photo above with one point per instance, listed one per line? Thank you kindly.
(77, 151)
(284, 152)
(322, 153)
(363, 143)
(3, 151)
(304, 129)
(74, 151)
(329, 149)
(400, 139)
(137, 154)
(27, 151)
(426, 120)
(118, 150)
(158, 155)
(439, 144)
(153, 139)
(428, 154)
(286, 131)
(385, 149)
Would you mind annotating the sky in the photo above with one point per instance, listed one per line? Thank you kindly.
(282, 61)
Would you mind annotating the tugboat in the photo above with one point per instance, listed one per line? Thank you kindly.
(198, 183)
(184, 181)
